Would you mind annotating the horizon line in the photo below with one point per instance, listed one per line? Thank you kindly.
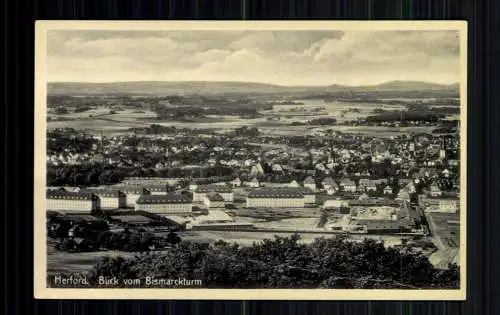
(251, 82)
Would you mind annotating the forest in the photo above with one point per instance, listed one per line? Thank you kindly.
(100, 174)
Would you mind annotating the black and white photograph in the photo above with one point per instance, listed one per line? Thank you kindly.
(250, 160)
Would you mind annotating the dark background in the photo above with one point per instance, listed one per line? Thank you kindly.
(483, 142)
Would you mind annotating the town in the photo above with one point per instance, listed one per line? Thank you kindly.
(153, 186)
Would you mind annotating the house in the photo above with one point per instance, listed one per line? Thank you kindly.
(193, 185)
(275, 198)
(453, 162)
(164, 204)
(277, 168)
(257, 170)
(328, 183)
(293, 184)
(348, 185)
(66, 201)
(435, 191)
(371, 186)
(310, 183)
(331, 191)
(110, 198)
(367, 185)
(213, 200)
(236, 182)
(446, 173)
(387, 190)
(254, 183)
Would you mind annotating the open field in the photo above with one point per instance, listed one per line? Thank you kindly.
(442, 258)
(245, 238)
(276, 214)
(61, 262)
(293, 223)
(101, 119)
(438, 224)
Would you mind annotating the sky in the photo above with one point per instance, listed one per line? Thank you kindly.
(298, 57)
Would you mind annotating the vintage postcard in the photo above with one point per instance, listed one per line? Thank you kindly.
(250, 160)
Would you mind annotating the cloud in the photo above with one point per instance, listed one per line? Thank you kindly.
(278, 57)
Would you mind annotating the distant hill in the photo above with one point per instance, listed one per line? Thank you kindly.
(200, 87)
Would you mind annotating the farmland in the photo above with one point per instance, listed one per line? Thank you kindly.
(103, 119)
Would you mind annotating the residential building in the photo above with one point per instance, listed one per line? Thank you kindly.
(275, 198)
(348, 185)
(133, 193)
(293, 184)
(225, 191)
(213, 200)
(164, 204)
(110, 198)
(310, 183)
(157, 189)
(435, 191)
(62, 200)
(254, 183)
(236, 182)
(387, 190)
(329, 184)
(366, 185)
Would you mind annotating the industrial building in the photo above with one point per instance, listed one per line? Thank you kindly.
(62, 200)
(164, 204)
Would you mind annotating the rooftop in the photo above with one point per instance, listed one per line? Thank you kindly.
(213, 188)
(105, 192)
(134, 190)
(214, 196)
(279, 192)
(63, 194)
(162, 199)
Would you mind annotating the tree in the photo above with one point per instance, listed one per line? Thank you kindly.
(173, 238)
(284, 262)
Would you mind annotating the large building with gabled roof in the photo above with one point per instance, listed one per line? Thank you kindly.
(67, 201)
(110, 198)
(225, 191)
(280, 197)
(164, 204)
(133, 193)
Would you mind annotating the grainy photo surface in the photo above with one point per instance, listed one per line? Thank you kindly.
(309, 162)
